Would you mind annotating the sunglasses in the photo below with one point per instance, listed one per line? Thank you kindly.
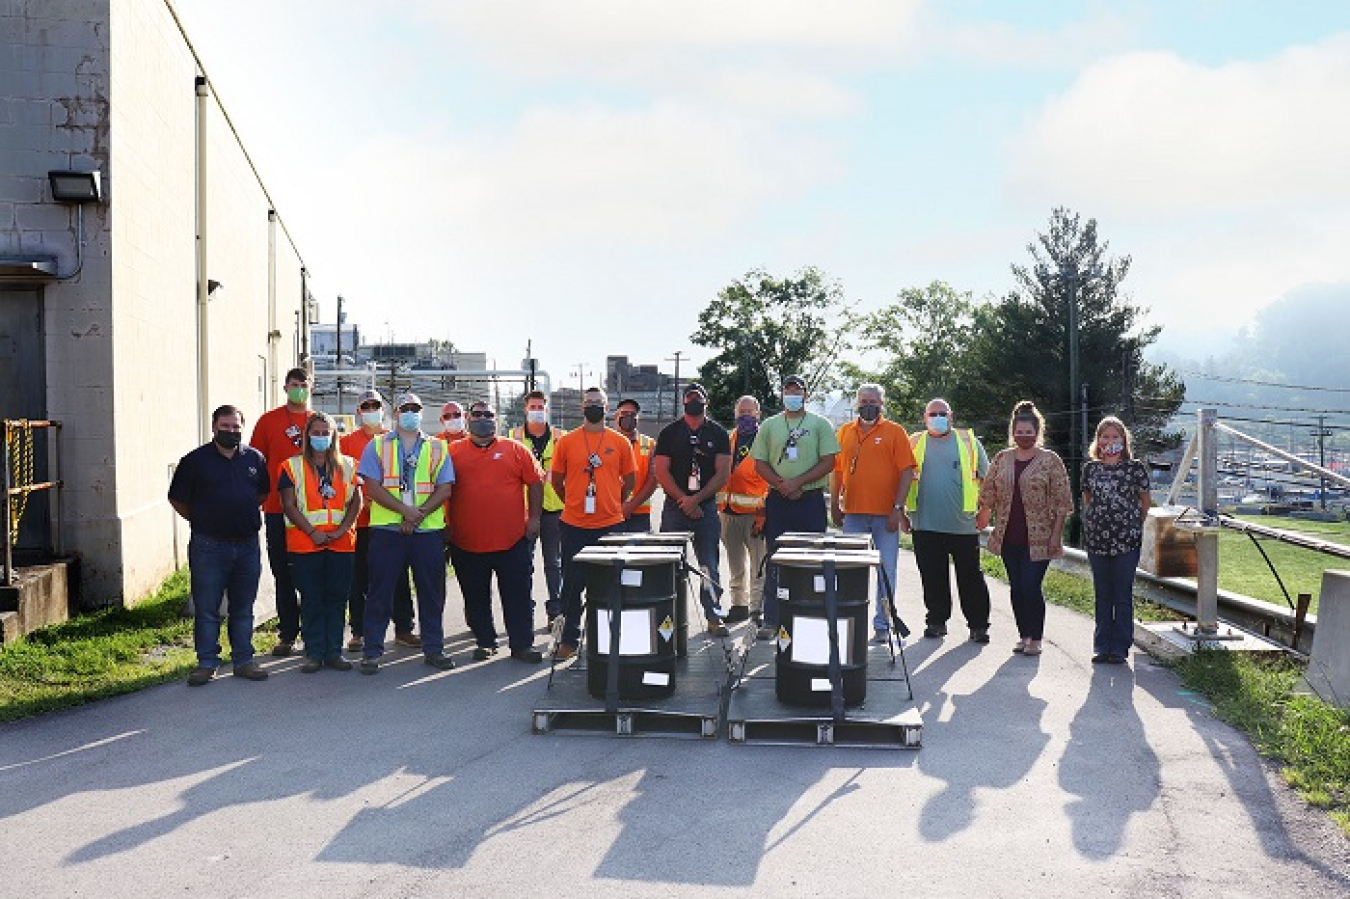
(482, 413)
(370, 407)
(449, 415)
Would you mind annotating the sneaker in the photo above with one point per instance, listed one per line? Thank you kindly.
(369, 666)
(533, 656)
(338, 663)
(408, 638)
(250, 671)
(284, 648)
(442, 663)
(199, 677)
(736, 614)
(934, 631)
(1033, 648)
(881, 637)
(564, 652)
(311, 666)
(717, 629)
(355, 643)
(483, 653)
(979, 635)
(1114, 659)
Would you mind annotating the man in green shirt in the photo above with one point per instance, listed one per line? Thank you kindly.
(794, 452)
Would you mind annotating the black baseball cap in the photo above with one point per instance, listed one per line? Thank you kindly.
(795, 380)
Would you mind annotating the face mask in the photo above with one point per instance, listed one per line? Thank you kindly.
(793, 402)
(372, 419)
(626, 422)
(1025, 442)
(695, 408)
(537, 416)
(453, 425)
(228, 439)
(594, 414)
(869, 412)
(410, 421)
(1112, 448)
(747, 423)
(482, 427)
(297, 394)
(938, 424)
(320, 444)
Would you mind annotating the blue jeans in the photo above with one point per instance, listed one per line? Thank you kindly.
(888, 547)
(1113, 583)
(574, 540)
(550, 539)
(278, 559)
(323, 579)
(1024, 583)
(707, 548)
(391, 554)
(784, 516)
(222, 568)
(514, 585)
(402, 612)
(638, 523)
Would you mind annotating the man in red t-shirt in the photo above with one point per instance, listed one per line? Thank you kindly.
(370, 416)
(490, 529)
(279, 435)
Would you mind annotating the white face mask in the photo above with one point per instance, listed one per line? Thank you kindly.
(537, 416)
(372, 419)
(453, 425)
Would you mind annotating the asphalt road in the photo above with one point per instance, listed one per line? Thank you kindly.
(1037, 776)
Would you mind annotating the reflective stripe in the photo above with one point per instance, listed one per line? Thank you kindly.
(552, 503)
(744, 501)
(970, 488)
(431, 455)
(320, 514)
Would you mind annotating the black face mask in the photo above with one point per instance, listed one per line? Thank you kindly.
(482, 427)
(869, 413)
(626, 422)
(228, 439)
(695, 407)
(594, 414)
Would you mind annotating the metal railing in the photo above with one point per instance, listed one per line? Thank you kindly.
(19, 466)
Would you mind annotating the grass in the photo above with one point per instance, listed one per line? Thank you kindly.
(1242, 570)
(105, 653)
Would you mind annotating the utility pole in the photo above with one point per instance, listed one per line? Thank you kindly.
(341, 316)
(1127, 387)
(1322, 434)
(675, 397)
(530, 363)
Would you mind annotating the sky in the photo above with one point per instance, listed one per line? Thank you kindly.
(587, 175)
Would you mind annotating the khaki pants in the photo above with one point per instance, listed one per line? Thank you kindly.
(745, 558)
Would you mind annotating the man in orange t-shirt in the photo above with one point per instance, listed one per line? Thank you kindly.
(870, 482)
(279, 435)
(452, 423)
(490, 531)
(370, 415)
(593, 473)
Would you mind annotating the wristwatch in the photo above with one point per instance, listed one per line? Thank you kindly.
(898, 506)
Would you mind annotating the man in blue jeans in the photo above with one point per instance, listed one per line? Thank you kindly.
(219, 488)
(691, 462)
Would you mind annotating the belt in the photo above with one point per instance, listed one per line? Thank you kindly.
(249, 539)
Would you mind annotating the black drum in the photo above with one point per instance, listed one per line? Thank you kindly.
(635, 591)
(802, 670)
(680, 541)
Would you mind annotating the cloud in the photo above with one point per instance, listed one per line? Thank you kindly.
(1148, 134)
(1003, 45)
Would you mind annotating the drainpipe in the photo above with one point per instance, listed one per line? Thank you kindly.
(270, 399)
(203, 321)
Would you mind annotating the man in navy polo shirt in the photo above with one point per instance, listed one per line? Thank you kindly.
(219, 488)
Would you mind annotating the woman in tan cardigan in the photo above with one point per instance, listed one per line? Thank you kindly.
(1027, 492)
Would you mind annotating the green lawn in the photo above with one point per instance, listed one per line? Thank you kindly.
(105, 653)
(1242, 570)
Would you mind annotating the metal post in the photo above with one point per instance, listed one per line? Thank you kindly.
(1322, 458)
(338, 359)
(59, 476)
(1207, 538)
(9, 511)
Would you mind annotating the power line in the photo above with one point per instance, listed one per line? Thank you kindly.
(1228, 380)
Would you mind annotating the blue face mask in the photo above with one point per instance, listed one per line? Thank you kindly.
(410, 420)
(320, 444)
(793, 402)
(938, 424)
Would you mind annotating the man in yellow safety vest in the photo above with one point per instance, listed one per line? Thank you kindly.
(540, 437)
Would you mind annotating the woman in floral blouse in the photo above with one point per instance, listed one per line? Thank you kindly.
(1027, 491)
(1115, 501)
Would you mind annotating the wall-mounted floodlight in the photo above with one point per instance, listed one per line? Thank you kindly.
(76, 187)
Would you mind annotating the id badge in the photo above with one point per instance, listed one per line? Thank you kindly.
(590, 505)
(407, 497)
(792, 454)
(693, 481)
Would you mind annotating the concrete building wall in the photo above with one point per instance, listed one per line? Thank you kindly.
(110, 86)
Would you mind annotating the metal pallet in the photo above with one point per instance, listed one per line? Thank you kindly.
(887, 718)
(693, 711)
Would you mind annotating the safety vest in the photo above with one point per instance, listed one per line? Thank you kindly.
(970, 497)
(323, 514)
(552, 502)
(745, 490)
(642, 457)
(430, 457)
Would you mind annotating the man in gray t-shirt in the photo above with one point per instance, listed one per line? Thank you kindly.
(941, 513)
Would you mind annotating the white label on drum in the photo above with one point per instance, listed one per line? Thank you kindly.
(661, 679)
(820, 685)
(783, 593)
(631, 577)
(820, 583)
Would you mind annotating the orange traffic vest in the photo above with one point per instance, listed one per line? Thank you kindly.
(744, 491)
(322, 513)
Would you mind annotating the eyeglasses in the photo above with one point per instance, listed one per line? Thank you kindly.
(482, 413)
(452, 415)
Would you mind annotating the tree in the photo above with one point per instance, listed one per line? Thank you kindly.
(765, 328)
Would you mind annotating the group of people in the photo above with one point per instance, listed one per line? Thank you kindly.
(349, 520)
